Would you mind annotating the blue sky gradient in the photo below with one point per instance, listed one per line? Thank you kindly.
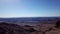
(29, 8)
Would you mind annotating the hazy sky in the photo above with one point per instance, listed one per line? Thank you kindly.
(29, 8)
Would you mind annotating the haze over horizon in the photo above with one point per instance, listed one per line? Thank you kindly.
(29, 8)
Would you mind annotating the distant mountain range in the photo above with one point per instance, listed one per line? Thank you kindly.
(28, 19)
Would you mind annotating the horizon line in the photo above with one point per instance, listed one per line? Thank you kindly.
(28, 17)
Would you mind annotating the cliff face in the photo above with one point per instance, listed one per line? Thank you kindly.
(6, 28)
(11, 28)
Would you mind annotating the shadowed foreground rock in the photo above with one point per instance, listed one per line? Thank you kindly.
(57, 24)
(2, 31)
(54, 30)
(6, 28)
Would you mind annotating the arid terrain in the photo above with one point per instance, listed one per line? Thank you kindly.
(6, 28)
(27, 26)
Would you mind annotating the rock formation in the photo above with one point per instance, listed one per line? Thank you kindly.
(6, 28)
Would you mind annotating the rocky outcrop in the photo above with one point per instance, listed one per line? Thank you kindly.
(6, 28)
(55, 29)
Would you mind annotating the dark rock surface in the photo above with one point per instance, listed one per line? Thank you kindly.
(6, 28)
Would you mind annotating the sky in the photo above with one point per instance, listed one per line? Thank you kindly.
(29, 8)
